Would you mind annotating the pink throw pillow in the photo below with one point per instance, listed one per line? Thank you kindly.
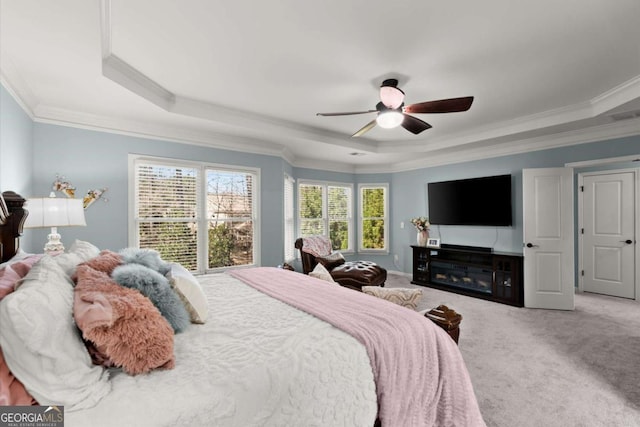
(12, 392)
(124, 327)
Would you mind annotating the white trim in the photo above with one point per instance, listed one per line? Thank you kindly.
(581, 176)
(288, 179)
(596, 162)
(19, 90)
(352, 244)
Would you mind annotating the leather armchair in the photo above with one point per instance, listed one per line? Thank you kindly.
(350, 274)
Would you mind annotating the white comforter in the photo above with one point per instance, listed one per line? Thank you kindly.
(256, 362)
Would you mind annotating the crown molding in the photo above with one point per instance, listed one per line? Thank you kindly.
(603, 132)
(617, 96)
(17, 88)
(323, 165)
(604, 161)
(59, 116)
(125, 75)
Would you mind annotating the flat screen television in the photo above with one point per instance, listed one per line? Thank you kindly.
(475, 201)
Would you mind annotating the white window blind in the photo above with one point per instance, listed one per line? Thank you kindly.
(339, 214)
(311, 209)
(289, 219)
(166, 211)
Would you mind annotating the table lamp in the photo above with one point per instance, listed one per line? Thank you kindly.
(54, 212)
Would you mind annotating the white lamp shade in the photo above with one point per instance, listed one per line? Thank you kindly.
(54, 212)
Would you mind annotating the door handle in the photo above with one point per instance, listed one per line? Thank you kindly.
(531, 245)
(628, 241)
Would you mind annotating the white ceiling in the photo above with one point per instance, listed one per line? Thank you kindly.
(251, 75)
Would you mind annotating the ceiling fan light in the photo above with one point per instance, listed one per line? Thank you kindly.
(391, 97)
(389, 119)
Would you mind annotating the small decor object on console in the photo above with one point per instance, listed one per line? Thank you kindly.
(433, 242)
(422, 225)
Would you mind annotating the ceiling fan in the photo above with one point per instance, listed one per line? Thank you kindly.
(392, 112)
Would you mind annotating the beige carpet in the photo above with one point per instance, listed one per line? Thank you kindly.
(549, 368)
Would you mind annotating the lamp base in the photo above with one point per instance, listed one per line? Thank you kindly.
(53, 246)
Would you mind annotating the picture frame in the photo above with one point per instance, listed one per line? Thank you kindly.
(433, 242)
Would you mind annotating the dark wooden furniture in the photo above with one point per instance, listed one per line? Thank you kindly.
(11, 224)
(447, 319)
(472, 271)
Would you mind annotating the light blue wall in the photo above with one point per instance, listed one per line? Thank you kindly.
(90, 159)
(16, 147)
(31, 154)
(409, 196)
(16, 150)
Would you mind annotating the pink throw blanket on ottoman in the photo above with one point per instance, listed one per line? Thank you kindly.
(421, 379)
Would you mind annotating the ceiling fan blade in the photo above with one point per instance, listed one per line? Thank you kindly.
(349, 113)
(366, 128)
(452, 105)
(414, 124)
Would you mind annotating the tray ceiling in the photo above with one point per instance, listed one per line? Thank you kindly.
(251, 76)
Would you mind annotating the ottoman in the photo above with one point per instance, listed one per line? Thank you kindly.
(356, 274)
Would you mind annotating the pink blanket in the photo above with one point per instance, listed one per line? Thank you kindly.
(421, 379)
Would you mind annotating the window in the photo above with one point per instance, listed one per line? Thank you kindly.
(230, 212)
(200, 215)
(374, 223)
(327, 209)
(166, 211)
(289, 219)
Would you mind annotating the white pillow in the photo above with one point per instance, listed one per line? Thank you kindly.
(79, 252)
(320, 272)
(42, 345)
(190, 292)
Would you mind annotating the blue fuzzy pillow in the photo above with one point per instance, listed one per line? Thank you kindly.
(156, 287)
(147, 257)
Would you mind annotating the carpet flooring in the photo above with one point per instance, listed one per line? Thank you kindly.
(533, 367)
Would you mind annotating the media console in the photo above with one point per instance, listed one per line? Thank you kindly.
(472, 271)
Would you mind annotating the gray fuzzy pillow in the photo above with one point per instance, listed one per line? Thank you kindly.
(156, 287)
(147, 257)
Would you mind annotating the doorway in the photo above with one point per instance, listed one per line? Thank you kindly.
(608, 211)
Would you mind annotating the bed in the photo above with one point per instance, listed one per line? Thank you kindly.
(273, 348)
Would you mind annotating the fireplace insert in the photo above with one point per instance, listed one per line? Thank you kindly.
(461, 276)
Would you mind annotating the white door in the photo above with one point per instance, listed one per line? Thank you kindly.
(608, 236)
(547, 207)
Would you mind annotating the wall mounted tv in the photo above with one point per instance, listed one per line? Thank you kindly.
(475, 201)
